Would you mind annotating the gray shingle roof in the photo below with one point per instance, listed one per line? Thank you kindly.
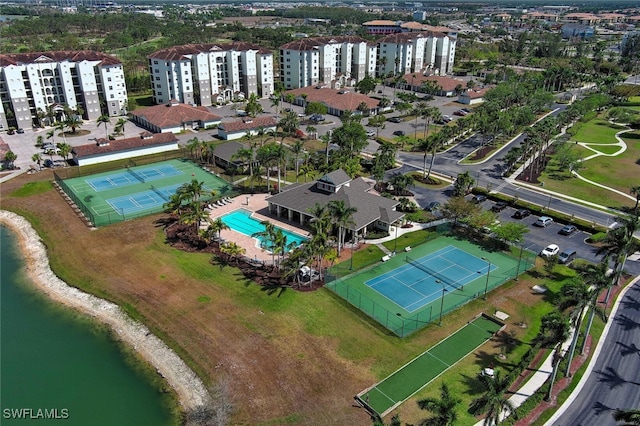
(303, 197)
(226, 151)
(336, 178)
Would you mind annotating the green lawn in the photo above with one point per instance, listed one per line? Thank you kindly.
(597, 131)
(605, 149)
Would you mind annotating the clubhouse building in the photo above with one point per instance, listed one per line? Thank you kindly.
(373, 212)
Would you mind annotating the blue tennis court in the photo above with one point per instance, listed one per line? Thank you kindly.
(132, 176)
(144, 200)
(420, 281)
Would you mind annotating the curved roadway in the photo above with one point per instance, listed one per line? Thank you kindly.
(614, 382)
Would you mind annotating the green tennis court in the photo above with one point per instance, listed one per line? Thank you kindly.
(137, 191)
(383, 397)
(407, 293)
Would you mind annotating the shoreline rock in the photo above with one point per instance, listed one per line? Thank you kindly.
(190, 390)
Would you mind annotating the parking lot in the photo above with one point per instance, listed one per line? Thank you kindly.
(539, 237)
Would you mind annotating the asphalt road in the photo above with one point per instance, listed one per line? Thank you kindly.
(614, 382)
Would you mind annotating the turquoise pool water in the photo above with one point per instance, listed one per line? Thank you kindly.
(241, 221)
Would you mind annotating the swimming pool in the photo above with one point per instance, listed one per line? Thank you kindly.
(241, 221)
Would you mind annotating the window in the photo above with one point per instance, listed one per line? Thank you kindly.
(157, 78)
(155, 62)
(112, 96)
(108, 78)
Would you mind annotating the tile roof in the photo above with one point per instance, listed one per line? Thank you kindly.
(404, 38)
(447, 84)
(177, 53)
(476, 94)
(248, 123)
(332, 98)
(303, 197)
(57, 56)
(173, 114)
(146, 139)
(381, 22)
(313, 42)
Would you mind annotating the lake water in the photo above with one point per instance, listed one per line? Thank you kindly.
(56, 360)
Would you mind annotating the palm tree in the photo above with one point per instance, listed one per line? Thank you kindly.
(51, 134)
(216, 226)
(297, 148)
(10, 157)
(579, 295)
(443, 408)
(342, 216)
(73, 122)
(597, 277)
(192, 191)
(37, 158)
(232, 249)
(554, 331)
(493, 402)
(195, 148)
(635, 190)
(194, 215)
(119, 128)
(401, 182)
(61, 125)
(65, 150)
(267, 237)
(104, 119)
(630, 417)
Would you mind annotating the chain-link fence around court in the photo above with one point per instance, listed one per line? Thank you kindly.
(352, 287)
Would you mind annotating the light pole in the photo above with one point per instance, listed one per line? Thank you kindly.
(353, 243)
(486, 285)
(519, 261)
(441, 301)
(395, 242)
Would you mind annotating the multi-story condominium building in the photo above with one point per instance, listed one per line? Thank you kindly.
(208, 74)
(324, 60)
(33, 83)
(410, 52)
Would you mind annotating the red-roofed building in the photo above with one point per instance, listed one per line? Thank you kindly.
(237, 129)
(174, 117)
(209, 74)
(105, 150)
(446, 86)
(336, 101)
(473, 97)
(34, 81)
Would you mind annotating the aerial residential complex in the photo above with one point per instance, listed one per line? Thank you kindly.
(206, 74)
(429, 52)
(310, 61)
(89, 81)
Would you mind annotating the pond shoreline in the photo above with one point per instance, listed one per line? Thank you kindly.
(190, 390)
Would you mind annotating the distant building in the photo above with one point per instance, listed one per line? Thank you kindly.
(174, 117)
(472, 97)
(33, 82)
(577, 30)
(336, 101)
(322, 60)
(209, 74)
(230, 130)
(381, 27)
(421, 52)
(105, 150)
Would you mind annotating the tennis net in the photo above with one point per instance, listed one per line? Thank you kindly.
(431, 272)
(160, 193)
(135, 175)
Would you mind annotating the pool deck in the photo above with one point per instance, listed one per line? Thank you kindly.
(258, 206)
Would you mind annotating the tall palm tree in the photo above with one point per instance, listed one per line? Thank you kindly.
(104, 119)
(635, 190)
(37, 158)
(341, 215)
(554, 331)
(443, 408)
(62, 125)
(493, 402)
(297, 148)
(597, 277)
(630, 417)
(579, 295)
(267, 236)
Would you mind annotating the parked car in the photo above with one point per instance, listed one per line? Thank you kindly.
(447, 118)
(499, 206)
(399, 133)
(543, 221)
(479, 198)
(550, 250)
(521, 214)
(432, 206)
(371, 134)
(567, 256)
(316, 117)
(567, 230)
(20, 130)
(460, 112)
(396, 120)
(467, 110)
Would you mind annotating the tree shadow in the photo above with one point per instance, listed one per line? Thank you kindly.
(612, 378)
(628, 349)
(627, 323)
(599, 408)
(631, 303)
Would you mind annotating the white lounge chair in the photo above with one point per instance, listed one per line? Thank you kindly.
(220, 203)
